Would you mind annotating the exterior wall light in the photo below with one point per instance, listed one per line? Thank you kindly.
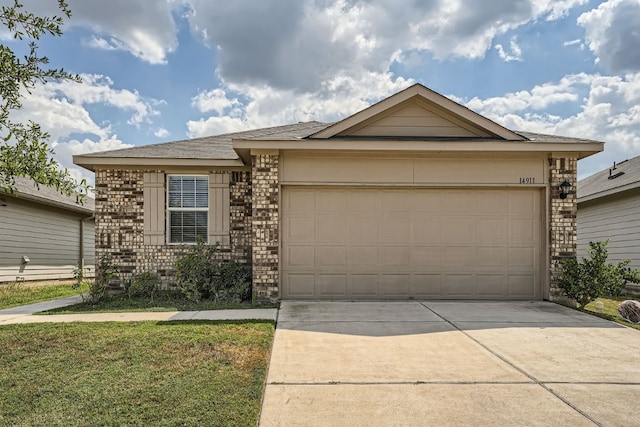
(564, 189)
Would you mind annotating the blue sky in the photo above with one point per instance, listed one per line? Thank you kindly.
(164, 70)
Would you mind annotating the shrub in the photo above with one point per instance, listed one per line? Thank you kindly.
(592, 277)
(201, 275)
(144, 285)
(195, 271)
(232, 283)
(106, 271)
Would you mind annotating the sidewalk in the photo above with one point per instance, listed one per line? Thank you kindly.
(25, 314)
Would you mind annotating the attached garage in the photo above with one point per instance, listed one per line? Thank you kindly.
(399, 243)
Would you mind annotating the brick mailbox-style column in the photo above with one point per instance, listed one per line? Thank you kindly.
(562, 220)
(265, 224)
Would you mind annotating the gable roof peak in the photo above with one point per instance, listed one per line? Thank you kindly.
(439, 117)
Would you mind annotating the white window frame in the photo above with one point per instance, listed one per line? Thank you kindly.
(170, 209)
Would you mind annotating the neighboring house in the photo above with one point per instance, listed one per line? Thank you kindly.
(44, 235)
(609, 209)
(413, 197)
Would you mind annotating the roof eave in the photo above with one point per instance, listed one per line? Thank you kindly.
(609, 192)
(45, 201)
(580, 149)
(92, 162)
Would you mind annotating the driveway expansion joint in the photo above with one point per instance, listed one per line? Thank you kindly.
(523, 372)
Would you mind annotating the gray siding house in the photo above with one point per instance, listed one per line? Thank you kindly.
(609, 209)
(44, 235)
(414, 197)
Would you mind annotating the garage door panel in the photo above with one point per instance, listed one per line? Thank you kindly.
(300, 256)
(301, 201)
(394, 284)
(459, 230)
(300, 285)
(334, 202)
(363, 230)
(491, 285)
(522, 257)
(300, 229)
(422, 243)
(458, 202)
(361, 256)
(492, 257)
(426, 201)
(488, 202)
(458, 257)
(458, 285)
(427, 229)
(521, 286)
(395, 201)
(331, 228)
(395, 256)
(332, 257)
(426, 285)
(426, 258)
(521, 231)
(363, 285)
(395, 229)
(490, 230)
(363, 201)
(522, 203)
(332, 285)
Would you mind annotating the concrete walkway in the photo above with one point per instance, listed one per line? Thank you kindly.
(449, 364)
(25, 314)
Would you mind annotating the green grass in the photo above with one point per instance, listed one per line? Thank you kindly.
(133, 374)
(610, 310)
(122, 303)
(13, 295)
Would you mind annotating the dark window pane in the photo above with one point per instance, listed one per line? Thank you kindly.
(201, 219)
(175, 219)
(176, 235)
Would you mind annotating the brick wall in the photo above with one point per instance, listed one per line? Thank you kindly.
(120, 224)
(266, 199)
(562, 218)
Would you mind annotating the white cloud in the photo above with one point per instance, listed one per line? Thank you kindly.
(146, 29)
(215, 100)
(516, 52)
(609, 112)
(161, 133)
(612, 34)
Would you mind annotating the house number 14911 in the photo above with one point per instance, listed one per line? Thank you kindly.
(527, 180)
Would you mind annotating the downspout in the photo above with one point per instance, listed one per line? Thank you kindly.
(81, 251)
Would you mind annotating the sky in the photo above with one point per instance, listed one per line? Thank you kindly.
(166, 70)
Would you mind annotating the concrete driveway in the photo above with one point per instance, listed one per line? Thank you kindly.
(449, 363)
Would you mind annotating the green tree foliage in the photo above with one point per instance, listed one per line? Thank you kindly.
(24, 151)
(592, 277)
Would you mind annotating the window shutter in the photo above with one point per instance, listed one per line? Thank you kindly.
(154, 222)
(219, 208)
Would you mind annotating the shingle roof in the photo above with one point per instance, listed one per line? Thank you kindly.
(49, 196)
(213, 147)
(625, 174)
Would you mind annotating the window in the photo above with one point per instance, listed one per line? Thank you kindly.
(187, 208)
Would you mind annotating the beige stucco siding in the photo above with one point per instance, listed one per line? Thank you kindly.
(379, 243)
(48, 236)
(614, 218)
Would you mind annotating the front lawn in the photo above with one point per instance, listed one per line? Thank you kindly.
(13, 295)
(610, 310)
(122, 303)
(133, 374)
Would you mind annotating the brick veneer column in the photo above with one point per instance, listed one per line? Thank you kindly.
(265, 225)
(562, 220)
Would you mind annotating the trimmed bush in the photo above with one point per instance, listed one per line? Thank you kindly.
(144, 285)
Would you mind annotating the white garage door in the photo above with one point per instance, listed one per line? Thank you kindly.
(383, 243)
